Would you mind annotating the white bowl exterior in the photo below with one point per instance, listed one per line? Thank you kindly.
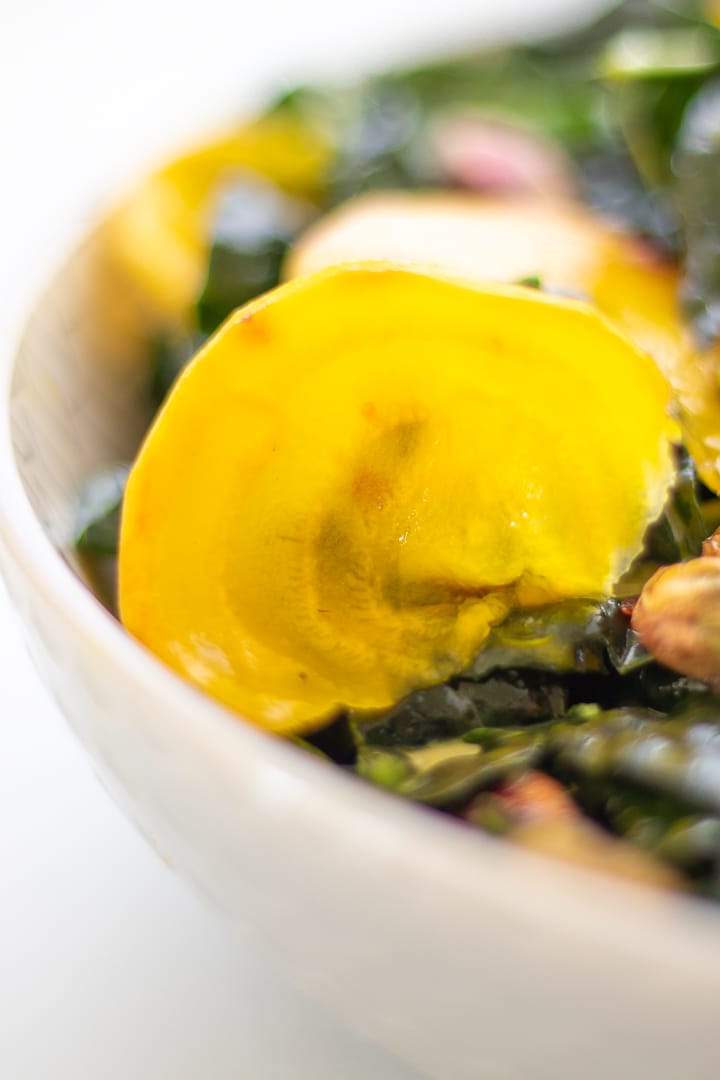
(466, 957)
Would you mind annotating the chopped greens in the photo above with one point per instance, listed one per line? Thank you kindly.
(253, 227)
(680, 532)
(170, 355)
(560, 637)
(98, 513)
(696, 162)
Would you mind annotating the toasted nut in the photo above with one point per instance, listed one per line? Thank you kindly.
(487, 154)
(581, 842)
(536, 796)
(711, 546)
(678, 618)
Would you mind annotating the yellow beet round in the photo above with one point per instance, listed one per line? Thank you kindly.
(365, 469)
(568, 247)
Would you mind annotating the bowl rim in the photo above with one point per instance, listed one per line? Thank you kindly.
(673, 929)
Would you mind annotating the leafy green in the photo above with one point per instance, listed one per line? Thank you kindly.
(642, 53)
(422, 717)
(679, 756)
(582, 637)
(691, 842)
(337, 740)
(490, 812)
(386, 768)
(377, 128)
(490, 738)
(665, 690)
(657, 822)
(697, 166)
(559, 637)
(171, 353)
(254, 225)
(635, 767)
(612, 185)
(456, 780)
(381, 147)
(625, 651)
(452, 709)
(97, 522)
(649, 114)
(515, 697)
(680, 532)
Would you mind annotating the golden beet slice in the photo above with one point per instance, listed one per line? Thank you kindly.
(365, 469)
(567, 247)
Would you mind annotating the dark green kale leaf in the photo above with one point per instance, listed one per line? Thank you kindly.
(255, 223)
(386, 767)
(377, 128)
(678, 756)
(97, 523)
(692, 843)
(447, 773)
(422, 717)
(697, 166)
(171, 353)
(659, 688)
(457, 778)
(561, 637)
(651, 76)
(381, 147)
(452, 709)
(553, 94)
(513, 697)
(680, 531)
(612, 185)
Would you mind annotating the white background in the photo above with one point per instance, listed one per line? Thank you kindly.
(110, 968)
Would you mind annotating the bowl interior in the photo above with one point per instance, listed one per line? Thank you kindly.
(78, 398)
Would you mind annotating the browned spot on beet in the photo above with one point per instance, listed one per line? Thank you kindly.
(370, 489)
(255, 327)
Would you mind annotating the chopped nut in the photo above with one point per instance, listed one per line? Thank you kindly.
(711, 546)
(536, 796)
(488, 154)
(581, 842)
(678, 617)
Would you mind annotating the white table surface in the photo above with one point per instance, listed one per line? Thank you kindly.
(110, 968)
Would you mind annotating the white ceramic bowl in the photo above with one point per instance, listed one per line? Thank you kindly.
(468, 958)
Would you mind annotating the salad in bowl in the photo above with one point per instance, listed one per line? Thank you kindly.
(433, 478)
(360, 493)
